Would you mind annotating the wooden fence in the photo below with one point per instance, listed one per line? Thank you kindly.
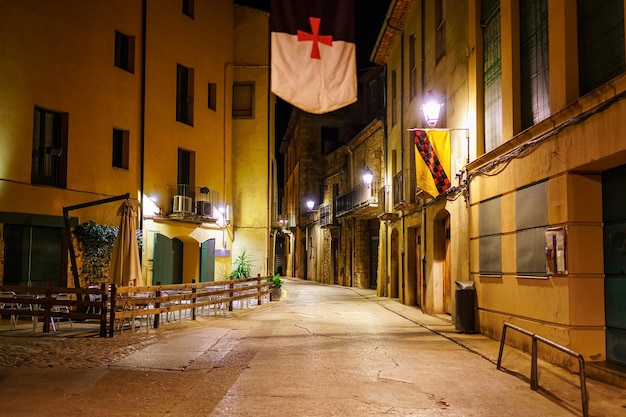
(116, 308)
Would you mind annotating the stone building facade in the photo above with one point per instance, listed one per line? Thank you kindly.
(535, 216)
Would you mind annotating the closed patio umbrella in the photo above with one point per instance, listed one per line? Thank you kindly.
(125, 264)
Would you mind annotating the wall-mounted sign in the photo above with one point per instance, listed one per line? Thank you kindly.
(556, 250)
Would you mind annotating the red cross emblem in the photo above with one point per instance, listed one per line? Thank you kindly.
(315, 37)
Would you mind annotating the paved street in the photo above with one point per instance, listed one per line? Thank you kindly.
(320, 351)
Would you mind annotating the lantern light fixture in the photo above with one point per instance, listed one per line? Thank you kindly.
(431, 109)
(368, 176)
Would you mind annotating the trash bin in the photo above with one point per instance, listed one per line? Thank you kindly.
(464, 296)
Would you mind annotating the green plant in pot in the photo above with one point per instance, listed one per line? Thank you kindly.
(276, 285)
(242, 266)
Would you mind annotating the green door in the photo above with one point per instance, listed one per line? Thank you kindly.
(33, 255)
(177, 262)
(207, 260)
(614, 216)
(163, 260)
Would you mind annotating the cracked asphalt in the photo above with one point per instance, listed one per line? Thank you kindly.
(320, 351)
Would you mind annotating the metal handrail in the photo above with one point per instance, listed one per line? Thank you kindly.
(534, 375)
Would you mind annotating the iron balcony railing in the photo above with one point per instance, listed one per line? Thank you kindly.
(404, 188)
(327, 217)
(287, 220)
(358, 197)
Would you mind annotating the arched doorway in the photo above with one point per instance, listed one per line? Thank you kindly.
(441, 264)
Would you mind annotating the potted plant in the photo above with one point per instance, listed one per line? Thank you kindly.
(241, 266)
(276, 285)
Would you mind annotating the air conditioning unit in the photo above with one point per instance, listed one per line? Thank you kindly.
(204, 209)
(182, 204)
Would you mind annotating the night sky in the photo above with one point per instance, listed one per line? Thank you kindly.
(369, 17)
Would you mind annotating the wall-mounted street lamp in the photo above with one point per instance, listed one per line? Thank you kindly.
(227, 213)
(310, 204)
(368, 177)
(431, 109)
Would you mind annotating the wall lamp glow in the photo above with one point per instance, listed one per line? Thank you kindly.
(431, 109)
(368, 176)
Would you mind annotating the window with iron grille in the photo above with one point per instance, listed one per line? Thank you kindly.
(184, 94)
(600, 42)
(492, 74)
(49, 157)
(125, 52)
(535, 62)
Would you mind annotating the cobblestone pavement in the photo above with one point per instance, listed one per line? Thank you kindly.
(320, 351)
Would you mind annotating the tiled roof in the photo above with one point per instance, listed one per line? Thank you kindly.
(392, 26)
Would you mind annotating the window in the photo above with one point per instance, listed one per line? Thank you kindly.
(440, 30)
(186, 172)
(243, 100)
(125, 52)
(330, 139)
(600, 42)
(394, 98)
(531, 222)
(535, 62)
(490, 237)
(49, 157)
(492, 74)
(189, 8)
(184, 94)
(212, 95)
(412, 67)
(120, 148)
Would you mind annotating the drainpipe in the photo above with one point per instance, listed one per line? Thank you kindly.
(402, 133)
(142, 121)
(423, 82)
(387, 203)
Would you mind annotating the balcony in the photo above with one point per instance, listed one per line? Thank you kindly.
(383, 197)
(361, 201)
(287, 221)
(327, 217)
(404, 190)
(309, 218)
(194, 204)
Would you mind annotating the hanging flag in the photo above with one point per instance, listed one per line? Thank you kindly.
(313, 53)
(432, 160)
